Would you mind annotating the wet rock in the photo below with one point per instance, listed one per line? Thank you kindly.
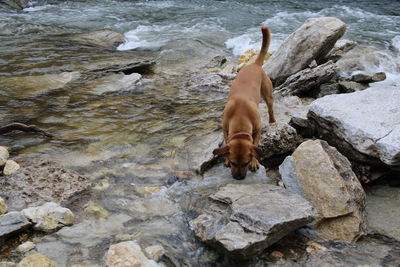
(3, 155)
(90, 233)
(105, 38)
(35, 85)
(365, 77)
(143, 208)
(127, 254)
(113, 83)
(26, 246)
(307, 79)
(36, 260)
(11, 223)
(341, 47)
(7, 264)
(10, 167)
(324, 177)
(199, 150)
(254, 217)
(95, 209)
(312, 41)
(49, 217)
(328, 89)
(277, 139)
(365, 125)
(350, 86)
(3, 206)
(120, 65)
(42, 181)
(207, 82)
(154, 252)
(383, 210)
(17, 4)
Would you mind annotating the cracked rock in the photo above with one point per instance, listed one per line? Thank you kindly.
(324, 177)
(246, 219)
(364, 125)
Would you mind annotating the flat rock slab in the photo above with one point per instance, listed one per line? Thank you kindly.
(368, 121)
(257, 216)
(41, 181)
(12, 223)
(105, 38)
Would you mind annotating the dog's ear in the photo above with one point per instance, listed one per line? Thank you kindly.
(221, 150)
(256, 152)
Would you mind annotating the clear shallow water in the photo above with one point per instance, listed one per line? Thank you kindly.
(128, 140)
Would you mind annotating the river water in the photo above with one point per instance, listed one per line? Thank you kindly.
(128, 142)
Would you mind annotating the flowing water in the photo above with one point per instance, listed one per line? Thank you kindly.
(136, 140)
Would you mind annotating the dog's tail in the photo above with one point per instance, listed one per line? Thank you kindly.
(264, 46)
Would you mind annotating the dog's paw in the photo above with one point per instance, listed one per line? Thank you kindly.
(227, 163)
(254, 165)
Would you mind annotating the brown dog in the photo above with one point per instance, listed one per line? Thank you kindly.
(241, 121)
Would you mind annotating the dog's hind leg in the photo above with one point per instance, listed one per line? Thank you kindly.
(267, 95)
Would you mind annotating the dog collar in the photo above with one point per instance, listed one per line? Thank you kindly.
(239, 134)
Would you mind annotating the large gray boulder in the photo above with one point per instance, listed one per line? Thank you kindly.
(324, 177)
(365, 125)
(245, 219)
(312, 41)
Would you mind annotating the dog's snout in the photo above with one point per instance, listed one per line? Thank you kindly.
(239, 176)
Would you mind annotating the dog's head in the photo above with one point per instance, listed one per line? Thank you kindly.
(239, 153)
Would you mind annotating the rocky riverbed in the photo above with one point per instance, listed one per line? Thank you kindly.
(128, 178)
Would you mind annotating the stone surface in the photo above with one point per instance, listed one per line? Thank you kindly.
(3, 155)
(154, 252)
(383, 210)
(324, 177)
(49, 217)
(255, 217)
(26, 246)
(365, 125)
(350, 86)
(341, 47)
(312, 41)
(11, 223)
(307, 79)
(17, 4)
(90, 233)
(106, 38)
(277, 139)
(10, 167)
(3, 206)
(205, 82)
(366, 77)
(34, 85)
(199, 150)
(127, 254)
(41, 181)
(7, 264)
(114, 82)
(36, 260)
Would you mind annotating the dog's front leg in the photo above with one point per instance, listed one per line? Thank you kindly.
(254, 164)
